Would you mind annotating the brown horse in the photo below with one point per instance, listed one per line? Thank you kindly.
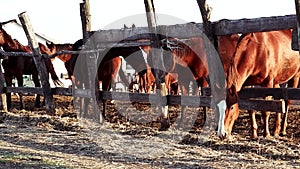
(19, 66)
(109, 64)
(191, 61)
(264, 59)
(66, 58)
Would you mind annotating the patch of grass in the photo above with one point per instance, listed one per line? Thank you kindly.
(27, 161)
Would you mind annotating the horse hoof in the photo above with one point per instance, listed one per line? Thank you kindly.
(254, 137)
(283, 134)
(276, 136)
(164, 125)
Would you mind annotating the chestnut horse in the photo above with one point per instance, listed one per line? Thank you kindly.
(191, 61)
(18, 66)
(264, 59)
(190, 57)
(54, 48)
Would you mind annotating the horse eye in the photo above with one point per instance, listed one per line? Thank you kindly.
(231, 108)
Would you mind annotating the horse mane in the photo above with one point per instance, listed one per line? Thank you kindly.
(180, 48)
(232, 72)
(7, 38)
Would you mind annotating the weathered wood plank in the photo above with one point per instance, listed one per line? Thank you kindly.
(224, 27)
(261, 92)
(262, 105)
(194, 101)
(62, 91)
(28, 90)
(295, 44)
(181, 31)
(277, 93)
(38, 60)
(127, 96)
(82, 93)
(156, 56)
(184, 31)
(296, 40)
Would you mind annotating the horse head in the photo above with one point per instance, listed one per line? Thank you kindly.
(227, 119)
(51, 46)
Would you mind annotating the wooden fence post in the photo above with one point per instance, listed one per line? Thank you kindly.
(207, 26)
(91, 61)
(156, 56)
(38, 60)
(216, 74)
(297, 4)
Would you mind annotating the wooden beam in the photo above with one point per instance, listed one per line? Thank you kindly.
(263, 24)
(296, 40)
(128, 35)
(85, 19)
(91, 61)
(39, 62)
(277, 93)
(261, 92)
(222, 27)
(262, 105)
(28, 90)
(205, 13)
(193, 101)
(157, 60)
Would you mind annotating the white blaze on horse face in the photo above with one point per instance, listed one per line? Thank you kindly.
(221, 127)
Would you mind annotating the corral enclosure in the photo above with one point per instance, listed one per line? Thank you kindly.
(63, 140)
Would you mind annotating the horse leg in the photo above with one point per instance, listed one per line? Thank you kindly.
(278, 121)
(292, 83)
(253, 124)
(266, 116)
(185, 92)
(36, 84)
(8, 80)
(202, 83)
(106, 85)
(20, 84)
(285, 116)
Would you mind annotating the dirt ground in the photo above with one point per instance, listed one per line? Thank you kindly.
(130, 139)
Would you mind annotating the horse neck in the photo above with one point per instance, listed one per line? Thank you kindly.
(7, 41)
(234, 75)
(192, 54)
(44, 49)
(226, 48)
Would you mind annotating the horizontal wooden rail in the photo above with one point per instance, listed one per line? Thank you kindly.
(194, 101)
(188, 30)
(261, 92)
(139, 36)
(262, 24)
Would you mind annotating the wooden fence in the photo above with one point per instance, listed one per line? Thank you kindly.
(115, 37)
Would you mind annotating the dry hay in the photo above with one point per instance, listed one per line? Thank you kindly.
(128, 139)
